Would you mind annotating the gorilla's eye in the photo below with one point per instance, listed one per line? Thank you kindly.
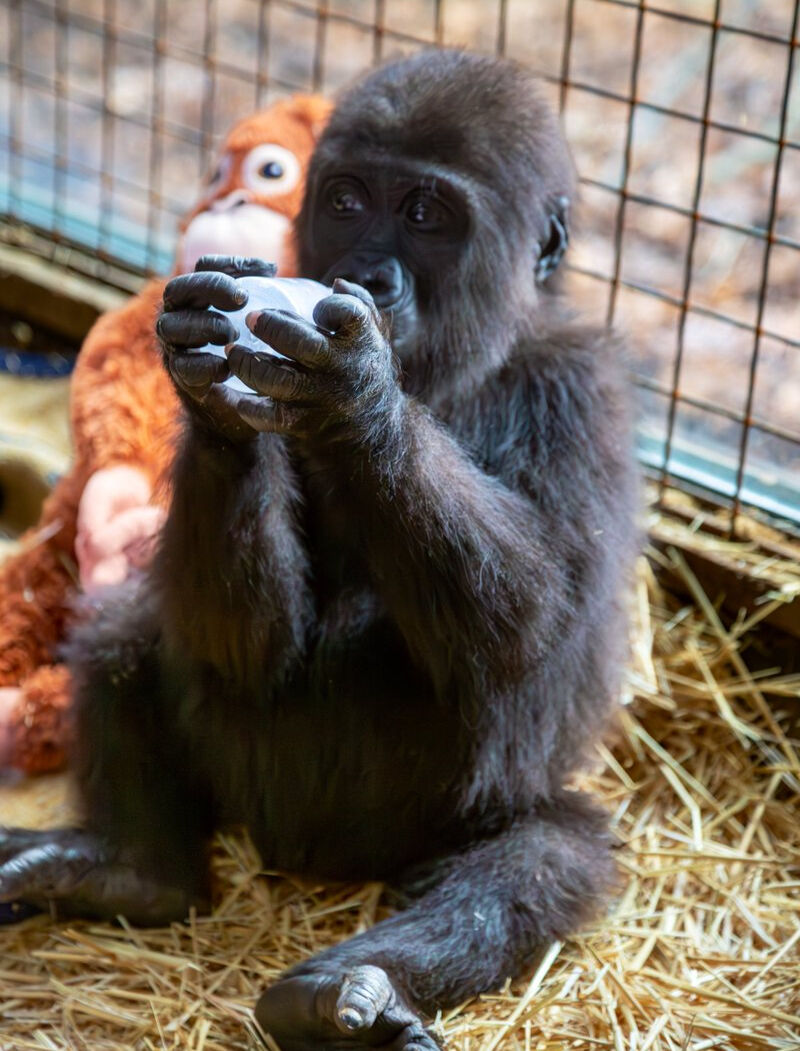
(418, 212)
(426, 213)
(271, 170)
(345, 200)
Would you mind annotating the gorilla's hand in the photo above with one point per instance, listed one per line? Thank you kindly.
(186, 321)
(340, 371)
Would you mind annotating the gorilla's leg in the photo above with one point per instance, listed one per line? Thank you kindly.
(142, 851)
(490, 913)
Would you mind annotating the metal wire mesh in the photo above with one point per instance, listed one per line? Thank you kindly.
(684, 117)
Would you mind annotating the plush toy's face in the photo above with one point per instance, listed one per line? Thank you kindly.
(256, 189)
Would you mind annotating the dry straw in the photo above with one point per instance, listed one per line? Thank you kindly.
(700, 950)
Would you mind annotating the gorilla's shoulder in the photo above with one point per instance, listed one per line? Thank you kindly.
(571, 352)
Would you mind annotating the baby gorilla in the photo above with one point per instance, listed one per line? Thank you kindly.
(384, 622)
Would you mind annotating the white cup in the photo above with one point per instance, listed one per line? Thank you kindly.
(296, 294)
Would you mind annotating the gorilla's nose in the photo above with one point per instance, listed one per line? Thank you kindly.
(381, 275)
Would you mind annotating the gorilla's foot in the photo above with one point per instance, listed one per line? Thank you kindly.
(359, 1009)
(71, 872)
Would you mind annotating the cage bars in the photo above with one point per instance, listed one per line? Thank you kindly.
(566, 54)
(15, 147)
(690, 249)
(622, 191)
(762, 294)
(60, 41)
(209, 83)
(108, 124)
(169, 129)
(262, 54)
(157, 139)
(378, 31)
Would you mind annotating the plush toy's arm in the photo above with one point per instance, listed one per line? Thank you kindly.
(124, 419)
(123, 406)
(124, 412)
(37, 584)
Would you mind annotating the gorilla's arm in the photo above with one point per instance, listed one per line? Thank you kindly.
(460, 559)
(232, 568)
(498, 546)
(479, 579)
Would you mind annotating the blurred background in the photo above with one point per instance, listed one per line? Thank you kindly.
(684, 119)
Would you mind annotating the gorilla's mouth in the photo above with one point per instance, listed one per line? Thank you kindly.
(392, 289)
(402, 326)
(382, 275)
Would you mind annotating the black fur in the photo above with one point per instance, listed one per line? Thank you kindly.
(384, 645)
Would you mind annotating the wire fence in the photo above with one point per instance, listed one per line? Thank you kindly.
(684, 117)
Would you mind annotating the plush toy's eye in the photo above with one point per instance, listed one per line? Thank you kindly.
(270, 169)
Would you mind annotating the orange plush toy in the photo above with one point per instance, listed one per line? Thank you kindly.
(101, 520)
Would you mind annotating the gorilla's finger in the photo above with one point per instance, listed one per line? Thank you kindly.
(236, 265)
(263, 414)
(266, 375)
(195, 328)
(350, 288)
(290, 335)
(199, 370)
(343, 314)
(204, 289)
(221, 401)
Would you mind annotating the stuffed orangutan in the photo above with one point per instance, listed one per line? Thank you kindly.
(101, 520)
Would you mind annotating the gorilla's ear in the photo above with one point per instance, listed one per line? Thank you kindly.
(552, 248)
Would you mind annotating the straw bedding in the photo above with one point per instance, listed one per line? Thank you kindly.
(700, 949)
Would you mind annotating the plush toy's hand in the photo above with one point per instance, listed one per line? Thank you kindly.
(117, 526)
(10, 697)
(340, 372)
(187, 322)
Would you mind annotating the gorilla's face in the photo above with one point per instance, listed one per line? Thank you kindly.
(398, 231)
(441, 183)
